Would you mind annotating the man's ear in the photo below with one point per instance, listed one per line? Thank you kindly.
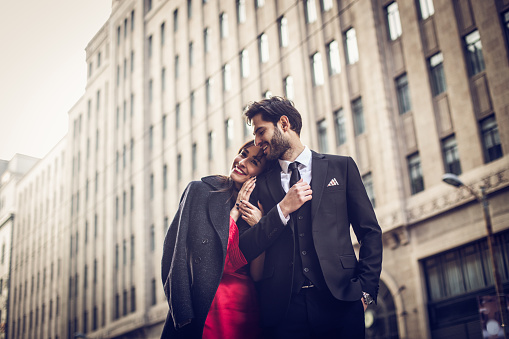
(284, 123)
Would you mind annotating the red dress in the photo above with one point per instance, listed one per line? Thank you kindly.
(234, 311)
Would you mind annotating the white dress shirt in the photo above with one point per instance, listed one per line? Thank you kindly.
(304, 159)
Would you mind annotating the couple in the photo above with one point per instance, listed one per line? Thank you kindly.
(282, 218)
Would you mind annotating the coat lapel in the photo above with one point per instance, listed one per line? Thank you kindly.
(219, 212)
(319, 171)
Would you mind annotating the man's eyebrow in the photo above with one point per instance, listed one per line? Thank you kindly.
(256, 130)
(244, 150)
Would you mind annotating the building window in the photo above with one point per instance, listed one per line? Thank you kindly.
(191, 54)
(154, 295)
(210, 96)
(403, 94)
(260, 3)
(244, 63)
(289, 88)
(125, 68)
(148, 5)
(98, 59)
(179, 167)
(352, 52)
(211, 145)
(339, 127)
(228, 127)
(165, 177)
(132, 20)
(505, 17)
(283, 32)
(175, 20)
(450, 154)
(189, 9)
(415, 173)
(241, 11)
(150, 90)
(206, 38)
(132, 150)
(427, 8)
(118, 35)
(267, 94)
(367, 180)
(132, 198)
(118, 75)
(358, 116)
(473, 50)
(133, 299)
(436, 66)
(490, 139)
(152, 238)
(191, 104)
(176, 66)
(322, 136)
(163, 127)
(334, 61)
(150, 46)
(264, 48)
(194, 158)
(327, 5)
(177, 115)
(223, 19)
(393, 21)
(89, 69)
(162, 34)
(151, 186)
(132, 61)
(163, 79)
(227, 81)
(311, 11)
(317, 69)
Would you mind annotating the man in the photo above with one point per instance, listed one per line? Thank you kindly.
(312, 285)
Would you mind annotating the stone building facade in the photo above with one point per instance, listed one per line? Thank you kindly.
(410, 89)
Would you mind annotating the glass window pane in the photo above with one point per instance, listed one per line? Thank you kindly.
(351, 46)
(318, 69)
(394, 21)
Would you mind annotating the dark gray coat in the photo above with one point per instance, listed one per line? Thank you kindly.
(193, 256)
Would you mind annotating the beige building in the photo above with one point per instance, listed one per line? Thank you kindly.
(410, 89)
(10, 173)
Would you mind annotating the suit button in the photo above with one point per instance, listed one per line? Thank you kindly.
(301, 235)
(197, 260)
(306, 270)
(301, 217)
(205, 241)
(304, 252)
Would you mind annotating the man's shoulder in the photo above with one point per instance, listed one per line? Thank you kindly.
(332, 157)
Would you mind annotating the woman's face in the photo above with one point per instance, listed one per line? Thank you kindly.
(248, 163)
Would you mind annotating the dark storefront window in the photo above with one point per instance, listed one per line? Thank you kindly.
(454, 281)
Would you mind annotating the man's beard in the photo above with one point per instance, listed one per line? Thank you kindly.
(278, 145)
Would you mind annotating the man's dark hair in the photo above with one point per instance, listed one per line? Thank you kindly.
(273, 109)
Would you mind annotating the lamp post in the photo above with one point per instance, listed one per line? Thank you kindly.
(452, 179)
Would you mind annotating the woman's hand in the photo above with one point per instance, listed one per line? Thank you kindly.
(246, 190)
(244, 194)
(250, 213)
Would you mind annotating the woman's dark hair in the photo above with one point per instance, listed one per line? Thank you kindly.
(273, 109)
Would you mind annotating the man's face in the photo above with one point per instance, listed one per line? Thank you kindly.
(270, 138)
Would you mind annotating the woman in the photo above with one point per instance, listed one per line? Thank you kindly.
(204, 274)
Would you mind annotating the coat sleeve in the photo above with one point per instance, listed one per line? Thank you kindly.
(174, 264)
(367, 230)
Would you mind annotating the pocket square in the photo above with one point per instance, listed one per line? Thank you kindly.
(333, 182)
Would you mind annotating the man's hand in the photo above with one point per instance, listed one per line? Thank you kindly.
(297, 195)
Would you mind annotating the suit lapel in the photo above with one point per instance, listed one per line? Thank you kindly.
(219, 208)
(319, 171)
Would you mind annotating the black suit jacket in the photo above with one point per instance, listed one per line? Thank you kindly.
(333, 210)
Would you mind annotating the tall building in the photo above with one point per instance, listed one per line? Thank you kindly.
(410, 89)
(11, 172)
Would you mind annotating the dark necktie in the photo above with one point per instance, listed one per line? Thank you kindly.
(295, 175)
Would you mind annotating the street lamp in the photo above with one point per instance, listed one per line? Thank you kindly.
(452, 179)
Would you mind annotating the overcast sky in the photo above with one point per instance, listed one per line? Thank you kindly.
(42, 69)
